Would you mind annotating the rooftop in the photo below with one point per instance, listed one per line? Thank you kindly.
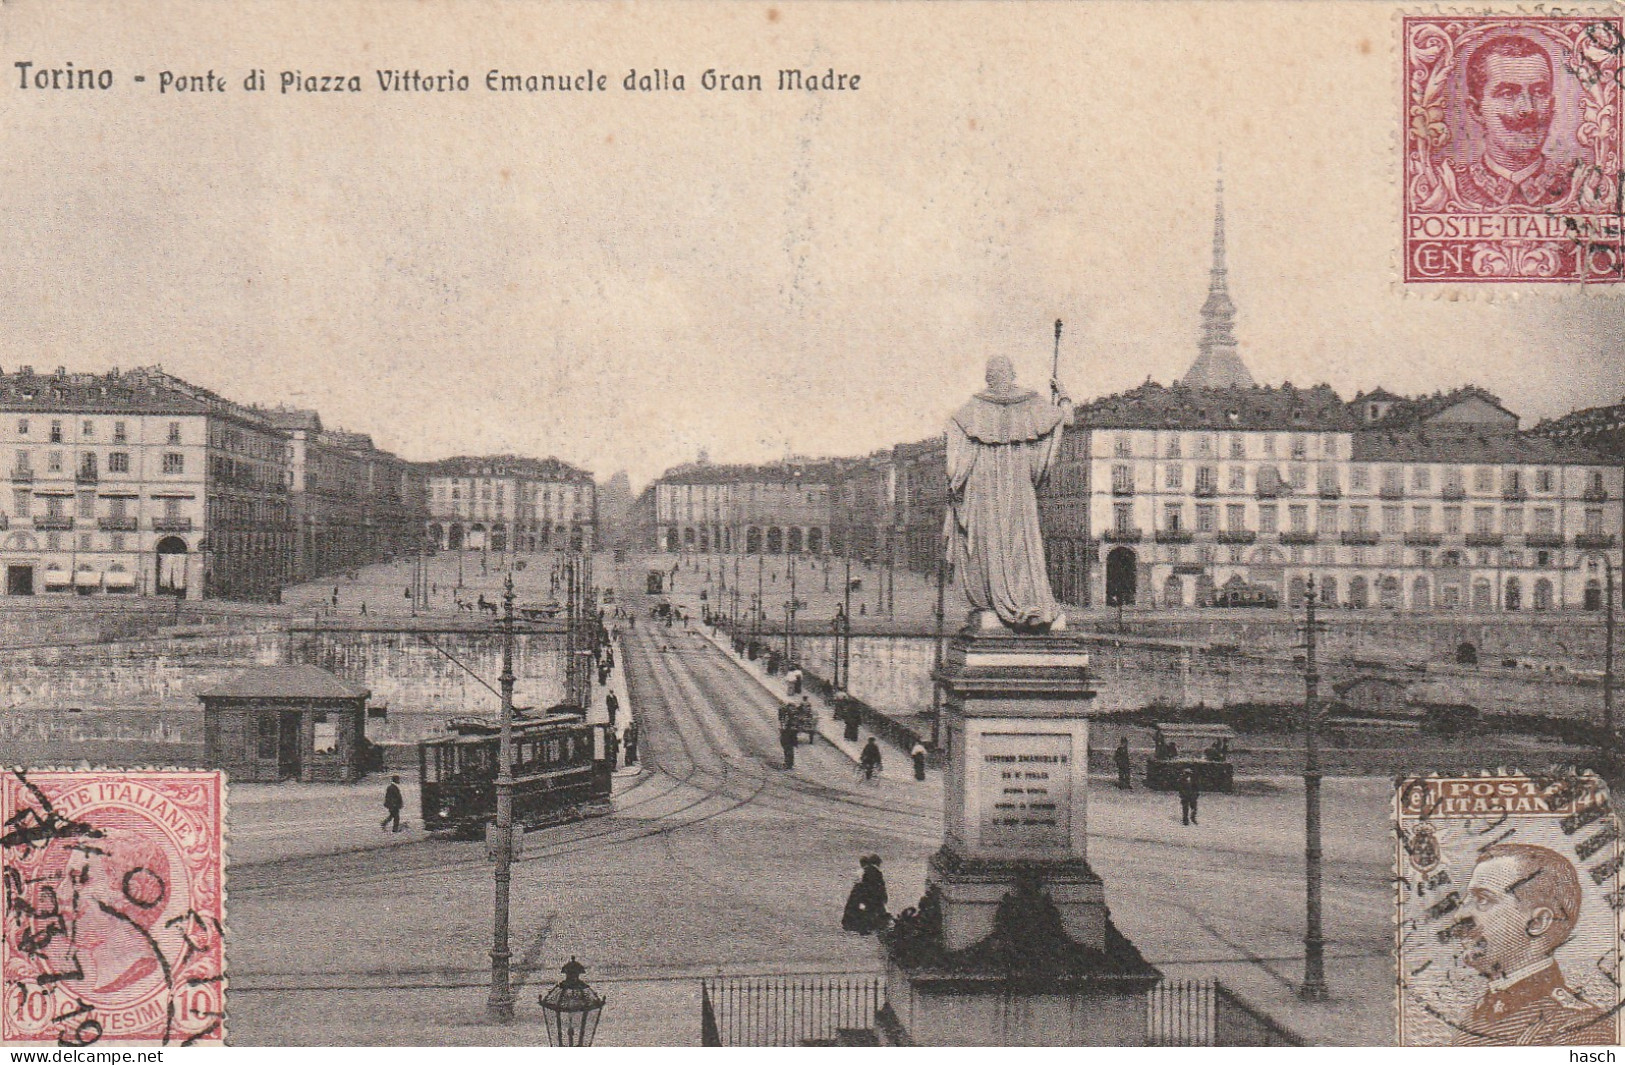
(1179, 406)
(285, 682)
(548, 469)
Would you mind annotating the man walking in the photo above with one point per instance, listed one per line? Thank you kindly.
(1188, 795)
(787, 743)
(629, 739)
(613, 705)
(918, 754)
(393, 804)
(869, 760)
(1124, 765)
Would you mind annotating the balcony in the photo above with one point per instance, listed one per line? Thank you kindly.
(1123, 536)
(22, 474)
(1544, 540)
(116, 524)
(1455, 493)
(87, 477)
(1122, 489)
(53, 522)
(1391, 491)
(1330, 491)
(1273, 491)
(1423, 539)
(1360, 537)
(1173, 536)
(1485, 539)
(172, 525)
(1594, 541)
(1207, 490)
(1514, 494)
(1595, 494)
(1237, 536)
(1300, 536)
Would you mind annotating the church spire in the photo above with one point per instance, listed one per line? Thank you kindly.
(1217, 365)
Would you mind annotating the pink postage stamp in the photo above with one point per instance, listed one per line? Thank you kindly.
(1507, 911)
(114, 902)
(1512, 171)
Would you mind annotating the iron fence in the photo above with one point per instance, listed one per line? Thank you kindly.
(1180, 1013)
(785, 1012)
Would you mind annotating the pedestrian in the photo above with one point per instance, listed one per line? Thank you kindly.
(866, 903)
(612, 748)
(335, 597)
(393, 804)
(613, 705)
(363, 608)
(869, 760)
(918, 754)
(787, 742)
(629, 740)
(1188, 795)
(1124, 765)
(848, 713)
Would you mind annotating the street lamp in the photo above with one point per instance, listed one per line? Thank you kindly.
(1314, 944)
(500, 1003)
(571, 1009)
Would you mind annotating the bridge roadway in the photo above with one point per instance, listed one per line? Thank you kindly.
(716, 860)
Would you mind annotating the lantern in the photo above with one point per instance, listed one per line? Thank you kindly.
(571, 1009)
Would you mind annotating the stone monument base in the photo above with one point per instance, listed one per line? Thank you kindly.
(971, 890)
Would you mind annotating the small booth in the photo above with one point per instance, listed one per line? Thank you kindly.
(273, 723)
(1202, 749)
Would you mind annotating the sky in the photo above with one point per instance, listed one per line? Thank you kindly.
(622, 279)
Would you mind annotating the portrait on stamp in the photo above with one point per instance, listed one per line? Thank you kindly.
(1505, 937)
(114, 903)
(1512, 153)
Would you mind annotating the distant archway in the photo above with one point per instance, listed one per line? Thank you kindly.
(1483, 595)
(1359, 594)
(1593, 594)
(753, 541)
(1388, 593)
(795, 541)
(454, 537)
(1543, 594)
(171, 575)
(815, 541)
(1297, 590)
(1122, 576)
(1466, 655)
(1421, 598)
(1514, 594)
(775, 540)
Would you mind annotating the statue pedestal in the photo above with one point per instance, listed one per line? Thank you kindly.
(1014, 944)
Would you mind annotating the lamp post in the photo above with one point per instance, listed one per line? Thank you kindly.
(790, 616)
(572, 1008)
(499, 1006)
(1314, 962)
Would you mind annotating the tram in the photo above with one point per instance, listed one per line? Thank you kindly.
(559, 771)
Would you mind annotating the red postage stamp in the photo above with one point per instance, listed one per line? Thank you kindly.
(1508, 911)
(114, 902)
(1512, 171)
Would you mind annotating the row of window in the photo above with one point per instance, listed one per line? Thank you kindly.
(1396, 557)
(1393, 481)
(88, 430)
(84, 505)
(174, 462)
(1360, 519)
(1176, 445)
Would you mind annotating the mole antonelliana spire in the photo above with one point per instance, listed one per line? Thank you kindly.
(1218, 365)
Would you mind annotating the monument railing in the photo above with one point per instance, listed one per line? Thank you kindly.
(786, 1011)
(1205, 1013)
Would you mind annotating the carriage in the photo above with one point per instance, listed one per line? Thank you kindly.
(560, 771)
(1202, 749)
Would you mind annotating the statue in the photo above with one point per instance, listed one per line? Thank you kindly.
(1000, 446)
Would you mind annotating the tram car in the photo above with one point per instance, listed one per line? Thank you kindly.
(560, 772)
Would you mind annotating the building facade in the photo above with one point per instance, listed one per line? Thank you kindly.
(775, 509)
(1237, 497)
(353, 505)
(508, 503)
(140, 483)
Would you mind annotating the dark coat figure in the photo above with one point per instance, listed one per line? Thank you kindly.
(787, 743)
(918, 754)
(393, 802)
(629, 739)
(849, 715)
(869, 760)
(866, 904)
(613, 705)
(1124, 765)
(1188, 794)
(612, 748)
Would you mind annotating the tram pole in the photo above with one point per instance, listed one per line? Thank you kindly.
(499, 1006)
(1314, 962)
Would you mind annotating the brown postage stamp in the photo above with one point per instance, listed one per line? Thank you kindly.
(1508, 922)
(114, 902)
(1512, 148)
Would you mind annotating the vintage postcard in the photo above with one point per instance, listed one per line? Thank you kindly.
(762, 523)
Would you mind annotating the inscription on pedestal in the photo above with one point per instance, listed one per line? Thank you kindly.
(1026, 792)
